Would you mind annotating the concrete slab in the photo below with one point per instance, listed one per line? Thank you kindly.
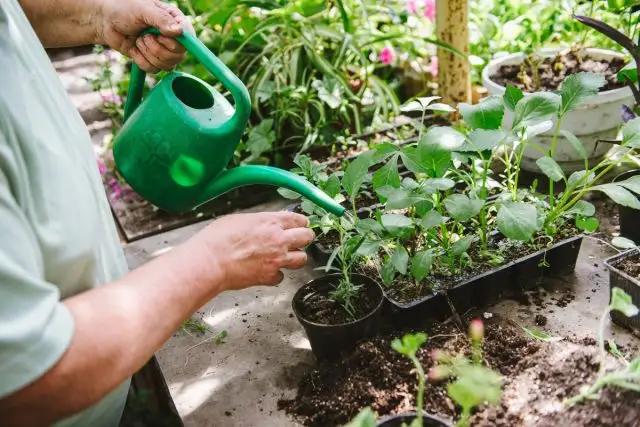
(237, 383)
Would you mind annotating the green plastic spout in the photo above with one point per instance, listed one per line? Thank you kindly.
(251, 175)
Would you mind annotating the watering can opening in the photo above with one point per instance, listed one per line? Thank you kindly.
(192, 93)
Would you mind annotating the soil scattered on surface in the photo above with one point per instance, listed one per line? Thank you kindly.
(552, 71)
(537, 376)
(316, 305)
(631, 266)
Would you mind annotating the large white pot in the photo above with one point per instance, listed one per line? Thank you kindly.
(593, 119)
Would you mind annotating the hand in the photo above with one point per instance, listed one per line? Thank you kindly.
(251, 249)
(120, 22)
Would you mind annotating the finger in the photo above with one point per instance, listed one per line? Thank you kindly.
(275, 280)
(156, 14)
(156, 54)
(292, 220)
(138, 57)
(172, 45)
(297, 238)
(295, 260)
(179, 17)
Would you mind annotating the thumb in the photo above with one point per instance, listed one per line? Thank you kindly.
(164, 17)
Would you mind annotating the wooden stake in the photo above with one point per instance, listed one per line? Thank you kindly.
(453, 71)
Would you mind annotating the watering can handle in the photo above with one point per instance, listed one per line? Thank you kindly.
(211, 62)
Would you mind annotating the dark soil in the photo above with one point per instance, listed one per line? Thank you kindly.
(377, 376)
(552, 71)
(537, 378)
(319, 307)
(631, 266)
(328, 240)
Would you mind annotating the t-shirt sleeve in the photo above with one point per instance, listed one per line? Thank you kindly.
(35, 327)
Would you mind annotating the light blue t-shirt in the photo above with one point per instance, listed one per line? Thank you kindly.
(57, 236)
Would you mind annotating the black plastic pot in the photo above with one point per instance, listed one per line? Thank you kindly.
(427, 420)
(330, 341)
(629, 284)
(629, 217)
(489, 287)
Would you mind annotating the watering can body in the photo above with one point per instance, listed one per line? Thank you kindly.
(175, 145)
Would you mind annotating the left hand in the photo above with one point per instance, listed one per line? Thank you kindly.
(119, 23)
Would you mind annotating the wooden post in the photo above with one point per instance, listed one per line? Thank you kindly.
(453, 71)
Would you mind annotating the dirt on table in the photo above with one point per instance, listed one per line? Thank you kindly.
(631, 266)
(552, 71)
(537, 378)
(319, 306)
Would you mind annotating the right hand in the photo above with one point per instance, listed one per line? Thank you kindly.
(251, 249)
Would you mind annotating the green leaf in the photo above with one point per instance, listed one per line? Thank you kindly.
(461, 246)
(474, 386)
(332, 186)
(534, 129)
(550, 168)
(482, 140)
(512, 96)
(356, 173)
(589, 224)
(423, 207)
(421, 265)
(444, 108)
(261, 138)
(328, 91)
(419, 104)
(402, 198)
(622, 302)
(410, 344)
(578, 87)
(383, 151)
(369, 225)
(575, 177)
(630, 72)
(387, 175)
(623, 243)
(396, 223)
(517, 220)
(536, 108)
(575, 142)
(427, 158)
(447, 137)
(632, 183)
(584, 208)
(541, 335)
(387, 271)
(461, 207)
(631, 133)
(400, 260)
(619, 194)
(365, 418)
(288, 194)
(368, 247)
(431, 185)
(432, 219)
(487, 114)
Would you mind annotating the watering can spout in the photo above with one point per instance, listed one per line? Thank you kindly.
(251, 175)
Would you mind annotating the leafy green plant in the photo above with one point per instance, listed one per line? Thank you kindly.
(628, 377)
(473, 383)
(408, 346)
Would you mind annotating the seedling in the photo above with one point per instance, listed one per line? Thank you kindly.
(541, 335)
(221, 337)
(408, 347)
(194, 326)
(629, 376)
(474, 384)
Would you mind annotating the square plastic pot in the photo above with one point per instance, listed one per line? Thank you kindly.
(629, 284)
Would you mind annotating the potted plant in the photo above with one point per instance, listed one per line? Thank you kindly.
(340, 309)
(624, 274)
(595, 118)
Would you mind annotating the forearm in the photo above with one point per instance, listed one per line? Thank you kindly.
(118, 328)
(63, 23)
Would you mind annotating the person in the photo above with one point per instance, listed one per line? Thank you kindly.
(75, 325)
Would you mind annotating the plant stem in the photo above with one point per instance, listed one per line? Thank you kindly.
(551, 151)
(420, 396)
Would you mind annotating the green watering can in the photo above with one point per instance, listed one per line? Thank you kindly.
(175, 145)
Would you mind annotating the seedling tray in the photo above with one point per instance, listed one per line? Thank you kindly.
(629, 284)
(491, 286)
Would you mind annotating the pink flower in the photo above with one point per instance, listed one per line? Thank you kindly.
(114, 99)
(476, 330)
(101, 167)
(387, 55)
(433, 67)
(429, 11)
(412, 6)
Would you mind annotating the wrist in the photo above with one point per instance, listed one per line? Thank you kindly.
(98, 12)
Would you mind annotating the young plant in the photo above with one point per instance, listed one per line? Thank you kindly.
(408, 347)
(627, 377)
(473, 383)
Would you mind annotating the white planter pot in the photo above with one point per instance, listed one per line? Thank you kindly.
(596, 118)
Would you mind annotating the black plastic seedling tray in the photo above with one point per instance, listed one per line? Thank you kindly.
(629, 284)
